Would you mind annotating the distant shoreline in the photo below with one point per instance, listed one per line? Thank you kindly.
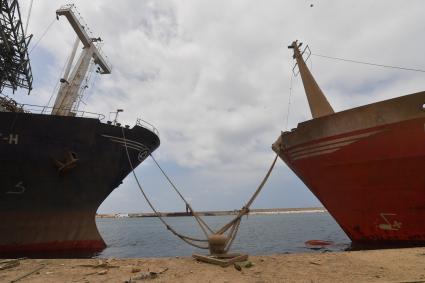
(258, 211)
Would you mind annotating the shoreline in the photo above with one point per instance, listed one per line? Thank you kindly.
(256, 211)
(392, 265)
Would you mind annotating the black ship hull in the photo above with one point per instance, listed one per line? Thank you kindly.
(55, 171)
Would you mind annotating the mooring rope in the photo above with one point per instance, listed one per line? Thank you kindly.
(289, 101)
(245, 209)
(200, 221)
(232, 235)
(42, 35)
(181, 236)
(233, 225)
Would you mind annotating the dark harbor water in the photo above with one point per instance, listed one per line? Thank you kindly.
(258, 234)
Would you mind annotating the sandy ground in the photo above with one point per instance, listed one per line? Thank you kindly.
(397, 265)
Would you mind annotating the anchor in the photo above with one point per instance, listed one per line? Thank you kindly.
(69, 163)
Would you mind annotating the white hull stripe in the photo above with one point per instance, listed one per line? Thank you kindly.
(321, 148)
(332, 142)
(124, 140)
(136, 148)
(327, 146)
(129, 143)
(315, 153)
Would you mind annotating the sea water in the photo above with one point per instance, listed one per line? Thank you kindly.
(258, 234)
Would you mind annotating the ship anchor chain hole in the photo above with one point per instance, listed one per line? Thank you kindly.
(143, 154)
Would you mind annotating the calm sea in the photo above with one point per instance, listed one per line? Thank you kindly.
(258, 234)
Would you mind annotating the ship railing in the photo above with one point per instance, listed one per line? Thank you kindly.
(38, 109)
(7, 103)
(144, 124)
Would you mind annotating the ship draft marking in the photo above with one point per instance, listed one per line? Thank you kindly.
(143, 149)
(327, 146)
(11, 138)
(395, 226)
(19, 189)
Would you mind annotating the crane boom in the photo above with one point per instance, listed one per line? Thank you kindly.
(70, 86)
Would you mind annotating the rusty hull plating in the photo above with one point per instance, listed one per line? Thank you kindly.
(366, 167)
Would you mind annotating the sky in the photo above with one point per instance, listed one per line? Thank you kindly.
(214, 78)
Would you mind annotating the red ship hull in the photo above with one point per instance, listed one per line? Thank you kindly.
(43, 232)
(366, 165)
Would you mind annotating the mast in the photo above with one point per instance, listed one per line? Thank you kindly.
(71, 84)
(319, 105)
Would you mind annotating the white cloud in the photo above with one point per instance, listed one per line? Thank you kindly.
(213, 76)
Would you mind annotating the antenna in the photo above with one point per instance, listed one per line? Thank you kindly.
(319, 105)
(306, 50)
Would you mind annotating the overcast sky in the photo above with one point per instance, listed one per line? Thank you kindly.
(214, 78)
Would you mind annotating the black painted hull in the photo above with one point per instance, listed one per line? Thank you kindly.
(55, 172)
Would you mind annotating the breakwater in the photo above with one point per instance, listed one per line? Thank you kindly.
(256, 211)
